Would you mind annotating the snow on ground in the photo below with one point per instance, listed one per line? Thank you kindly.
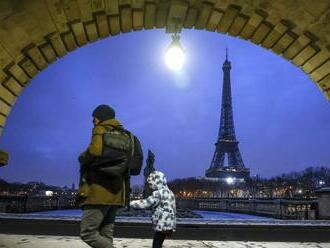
(41, 241)
(209, 218)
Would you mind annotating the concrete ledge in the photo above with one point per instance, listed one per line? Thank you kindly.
(224, 232)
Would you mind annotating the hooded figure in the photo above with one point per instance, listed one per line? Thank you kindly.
(99, 193)
(162, 203)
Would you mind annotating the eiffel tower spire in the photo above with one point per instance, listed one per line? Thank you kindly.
(227, 143)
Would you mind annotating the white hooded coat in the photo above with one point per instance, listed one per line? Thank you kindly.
(162, 203)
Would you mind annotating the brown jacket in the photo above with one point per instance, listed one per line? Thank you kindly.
(99, 188)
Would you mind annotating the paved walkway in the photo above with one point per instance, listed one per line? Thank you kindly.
(30, 241)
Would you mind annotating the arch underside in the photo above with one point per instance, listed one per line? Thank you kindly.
(34, 33)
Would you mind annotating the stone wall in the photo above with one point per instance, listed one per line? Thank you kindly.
(34, 34)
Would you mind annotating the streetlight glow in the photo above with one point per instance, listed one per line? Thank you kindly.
(174, 55)
(230, 180)
(321, 182)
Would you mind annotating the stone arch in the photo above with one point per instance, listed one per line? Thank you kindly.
(35, 33)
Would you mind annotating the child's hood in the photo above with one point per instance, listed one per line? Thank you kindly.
(157, 180)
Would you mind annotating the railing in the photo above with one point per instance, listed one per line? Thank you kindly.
(24, 204)
(276, 208)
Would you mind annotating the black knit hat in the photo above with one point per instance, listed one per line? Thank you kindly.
(104, 112)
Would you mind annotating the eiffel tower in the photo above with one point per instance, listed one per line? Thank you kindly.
(227, 143)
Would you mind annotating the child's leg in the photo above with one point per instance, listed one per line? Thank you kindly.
(159, 238)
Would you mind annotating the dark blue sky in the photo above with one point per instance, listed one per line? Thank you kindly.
(282, 119)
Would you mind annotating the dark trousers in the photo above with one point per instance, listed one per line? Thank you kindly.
(97, 225)
(159, 238)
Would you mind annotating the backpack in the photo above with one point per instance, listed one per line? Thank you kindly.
(119, 149)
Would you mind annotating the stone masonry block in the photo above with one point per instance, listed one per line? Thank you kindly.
(250, 27)
(69, 41)
(2, 120)
(17, 72)
(228, 18)
(297, 46)
(28, 66)
(35, 55)
(56, 11)
(5, 58)
(214, 20)
(321, 72)
(57, 43)
(176, 16)
(274, 35)
(114, 25)
(72, 11)
(13, 86)
(161, 14)
(91, 31)
(261, 32)
(4, 108)
(7, 96)
(137, 19)
(149, 15)
(102, 25)
(191, 17)
(101, 5)
(285, 41)
(85, 10)
(112, 7)
(79, 33)
(305, 55)
(316, 61)
(48, 52)
(324, 84)
(238, 24)
(203, 16)
(126, 22)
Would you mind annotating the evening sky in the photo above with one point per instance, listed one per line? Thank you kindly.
(282, 119)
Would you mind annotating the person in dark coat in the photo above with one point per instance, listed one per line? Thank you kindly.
(99, 194)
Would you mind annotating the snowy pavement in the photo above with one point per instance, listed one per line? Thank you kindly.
(38, 241)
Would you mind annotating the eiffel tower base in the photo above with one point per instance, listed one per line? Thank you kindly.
(226, 172)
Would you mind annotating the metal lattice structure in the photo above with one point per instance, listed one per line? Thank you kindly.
(227, 142)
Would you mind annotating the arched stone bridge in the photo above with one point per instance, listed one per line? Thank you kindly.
(34, 33)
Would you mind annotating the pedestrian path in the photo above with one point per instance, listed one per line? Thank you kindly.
(41, 241)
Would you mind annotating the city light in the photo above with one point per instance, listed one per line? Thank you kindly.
(321, 182)
(49, 193)
(230, 180)
(175, 55)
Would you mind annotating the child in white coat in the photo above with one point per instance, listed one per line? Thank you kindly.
(162, 203)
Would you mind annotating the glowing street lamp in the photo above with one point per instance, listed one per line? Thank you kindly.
(230, 180)
(321, 183)
(175, 55)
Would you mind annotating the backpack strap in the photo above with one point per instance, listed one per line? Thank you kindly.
(128, 178)
(132, 144)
